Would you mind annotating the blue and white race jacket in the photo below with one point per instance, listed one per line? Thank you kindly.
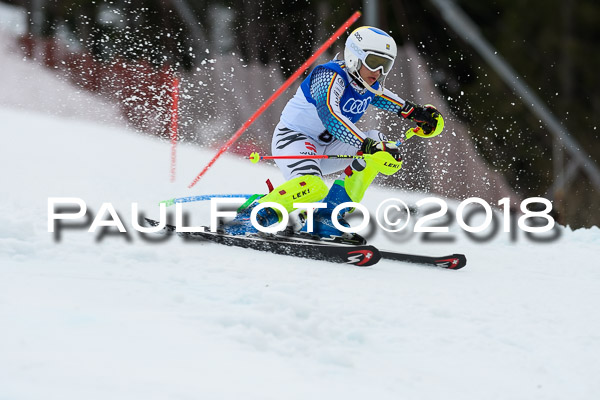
(329, 103)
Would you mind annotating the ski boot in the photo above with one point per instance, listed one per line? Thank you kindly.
(357, 178)
(242, 225)
(323, 226)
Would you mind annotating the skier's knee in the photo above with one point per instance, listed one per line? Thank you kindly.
(302, 189)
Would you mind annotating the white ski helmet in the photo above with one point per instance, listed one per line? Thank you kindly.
(374, 49)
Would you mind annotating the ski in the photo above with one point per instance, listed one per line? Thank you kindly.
(454, 261)
(308, 246)
(359, 255)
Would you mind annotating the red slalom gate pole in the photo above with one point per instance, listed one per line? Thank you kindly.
(279, 91)
(173, 126)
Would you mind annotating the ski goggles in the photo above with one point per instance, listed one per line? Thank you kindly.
(374, 62)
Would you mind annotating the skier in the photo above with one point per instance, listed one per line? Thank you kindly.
(320, 119)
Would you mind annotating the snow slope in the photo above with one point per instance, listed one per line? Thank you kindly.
(120, 317)
(28, 85)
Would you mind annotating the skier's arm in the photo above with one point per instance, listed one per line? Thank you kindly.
(424, 116)
(326, 88)
(389, 101)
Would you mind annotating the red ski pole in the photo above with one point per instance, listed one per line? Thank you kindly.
(275, 95)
